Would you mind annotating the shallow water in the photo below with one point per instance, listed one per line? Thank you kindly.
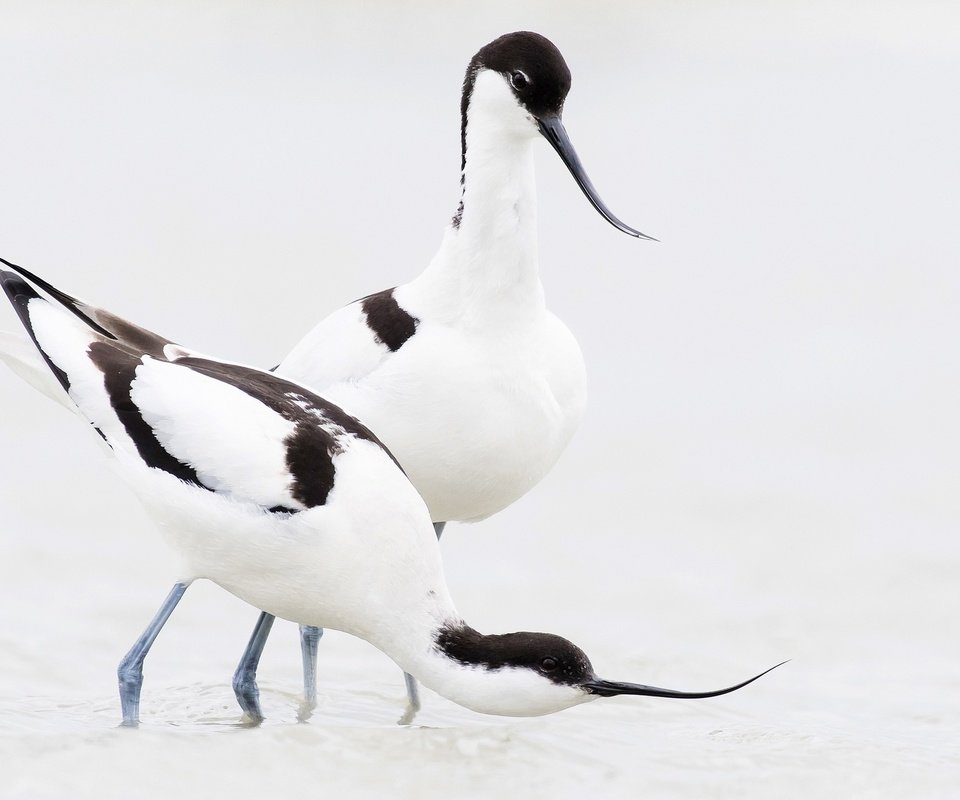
(767, 470)
(864, 709)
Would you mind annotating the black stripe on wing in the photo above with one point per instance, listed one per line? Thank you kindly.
(119, 368)
(20, 293)
(320, 425)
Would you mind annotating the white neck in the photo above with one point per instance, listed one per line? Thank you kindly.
(407, 626)
(507, 691)
(489, 255)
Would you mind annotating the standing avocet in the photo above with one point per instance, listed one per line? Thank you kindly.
(283, 499)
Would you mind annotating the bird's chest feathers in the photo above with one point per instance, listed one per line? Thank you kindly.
(514, 378)
(476, 419)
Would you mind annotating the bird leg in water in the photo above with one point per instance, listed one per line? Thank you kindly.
(413, 690)
(309, 639)
(130, 671)
(245, 678)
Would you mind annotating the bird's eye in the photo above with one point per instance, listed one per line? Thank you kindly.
(548, 664)
(519, 80)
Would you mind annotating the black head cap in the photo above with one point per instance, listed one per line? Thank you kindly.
(540, 80)
(538, 75)
(554, 657)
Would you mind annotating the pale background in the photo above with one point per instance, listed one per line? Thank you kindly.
(768, 468)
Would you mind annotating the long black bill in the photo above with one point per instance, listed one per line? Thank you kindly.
(612, 688)
(554, 132)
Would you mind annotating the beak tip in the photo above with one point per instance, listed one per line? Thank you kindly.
(611, 688)
(553, 131)
(634, 233)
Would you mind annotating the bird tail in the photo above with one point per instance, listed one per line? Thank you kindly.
(65, 336)
(99, 320)
(20, 355)
(26, 301)
(66, 332)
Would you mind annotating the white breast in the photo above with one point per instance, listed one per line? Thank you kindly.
(475, 419)
(478, 403)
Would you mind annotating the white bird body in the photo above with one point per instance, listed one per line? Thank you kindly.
(281, 498)
(480, 401)
(284, 499)
(364, 561)
(485, 426)
(280, 495)
(464, 374)
(366, 564)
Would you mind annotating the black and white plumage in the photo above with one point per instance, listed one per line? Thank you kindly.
(292, 505)
(464, 373)
(272, 442)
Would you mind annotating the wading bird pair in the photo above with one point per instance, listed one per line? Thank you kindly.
(443, 399)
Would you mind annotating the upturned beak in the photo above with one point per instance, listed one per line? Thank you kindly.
(552, 129)
(612, 688)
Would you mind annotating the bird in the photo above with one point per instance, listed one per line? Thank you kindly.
(291, 504)
(463, 372)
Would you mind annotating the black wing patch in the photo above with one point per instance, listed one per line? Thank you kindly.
(119, 371)
(391, 324)
(320, 425)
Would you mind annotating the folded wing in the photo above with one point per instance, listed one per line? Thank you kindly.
(222, 427)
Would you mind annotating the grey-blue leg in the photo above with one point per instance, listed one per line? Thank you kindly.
(309, 639)
(130, 671)
(245, 678)
(413, 689)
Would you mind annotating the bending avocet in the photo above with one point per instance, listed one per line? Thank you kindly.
(286, 501)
